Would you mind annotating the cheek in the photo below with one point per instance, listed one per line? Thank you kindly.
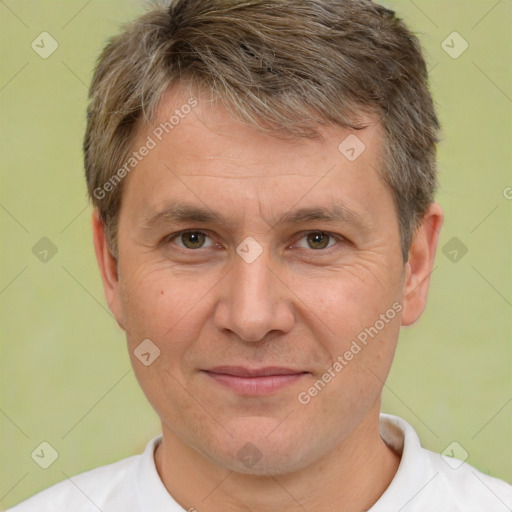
(354, 315)
(349, 299)
(164, 308)
(167, 310)
(352, 381)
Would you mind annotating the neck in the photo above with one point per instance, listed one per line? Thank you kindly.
(353, 475)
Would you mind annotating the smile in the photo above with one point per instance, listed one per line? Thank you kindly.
(248, 381)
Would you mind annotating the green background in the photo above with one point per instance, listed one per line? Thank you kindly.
(66, 377)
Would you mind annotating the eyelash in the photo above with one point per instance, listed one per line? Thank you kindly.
(327, 250)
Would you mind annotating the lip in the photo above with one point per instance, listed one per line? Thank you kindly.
(254, 381)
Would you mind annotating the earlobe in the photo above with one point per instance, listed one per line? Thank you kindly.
(108, 268)
(421, 263)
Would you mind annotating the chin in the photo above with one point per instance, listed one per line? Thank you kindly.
(270, 464)
(265, 454)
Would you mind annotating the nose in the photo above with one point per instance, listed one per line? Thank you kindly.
(254, 301)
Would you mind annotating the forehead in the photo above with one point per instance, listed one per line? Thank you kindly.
(201, 151)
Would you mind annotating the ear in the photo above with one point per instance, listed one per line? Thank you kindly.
(421, 261)
(108, 268)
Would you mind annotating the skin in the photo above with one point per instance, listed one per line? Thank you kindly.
(299, 305)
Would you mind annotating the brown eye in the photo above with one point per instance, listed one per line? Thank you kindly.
(193, 239)
(318, 240)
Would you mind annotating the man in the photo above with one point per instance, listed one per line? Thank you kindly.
(263, 176)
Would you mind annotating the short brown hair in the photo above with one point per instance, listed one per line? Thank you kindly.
(283, 65)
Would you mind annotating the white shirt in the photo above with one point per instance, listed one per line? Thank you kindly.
(425, 481)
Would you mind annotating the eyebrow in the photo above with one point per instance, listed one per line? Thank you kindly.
(181, 213)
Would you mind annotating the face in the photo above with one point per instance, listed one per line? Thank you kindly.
(268, 274)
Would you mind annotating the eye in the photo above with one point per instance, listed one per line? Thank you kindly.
(191, 239)
(317, 240)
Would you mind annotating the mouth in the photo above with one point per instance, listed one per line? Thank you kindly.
(254, 381)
